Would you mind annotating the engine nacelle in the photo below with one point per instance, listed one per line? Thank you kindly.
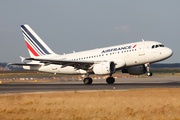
(104, 68)
(135, 70)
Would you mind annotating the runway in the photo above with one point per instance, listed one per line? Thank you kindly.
(100, 84)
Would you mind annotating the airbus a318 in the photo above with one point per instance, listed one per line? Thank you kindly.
(133, 58)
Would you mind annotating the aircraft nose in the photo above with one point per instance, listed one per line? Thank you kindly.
(169, 52)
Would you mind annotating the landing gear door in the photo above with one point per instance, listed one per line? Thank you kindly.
(141, 49)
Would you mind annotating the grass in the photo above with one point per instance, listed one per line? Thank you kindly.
(143, 104)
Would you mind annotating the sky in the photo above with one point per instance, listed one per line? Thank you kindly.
(67, 25)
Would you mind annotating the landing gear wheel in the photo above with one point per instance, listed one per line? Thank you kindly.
(110, 80)
(149, 74)
(87, 80)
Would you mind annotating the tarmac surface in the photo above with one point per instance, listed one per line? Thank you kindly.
(98, 84)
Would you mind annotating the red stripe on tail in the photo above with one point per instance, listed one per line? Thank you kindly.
(32, 50)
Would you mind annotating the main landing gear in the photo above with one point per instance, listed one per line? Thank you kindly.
(110, 80)
(149, 73)
(88, 80)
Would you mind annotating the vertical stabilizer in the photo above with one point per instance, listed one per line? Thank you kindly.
(35, 44)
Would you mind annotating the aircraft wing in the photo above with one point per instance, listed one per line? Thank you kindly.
(24, 64)
(79, 64)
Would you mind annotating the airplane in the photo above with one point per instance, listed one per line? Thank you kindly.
(133, 58)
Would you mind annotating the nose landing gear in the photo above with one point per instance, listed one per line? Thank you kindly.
(149, 73)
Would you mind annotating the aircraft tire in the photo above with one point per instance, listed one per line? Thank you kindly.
(149, 74)
(110, 80)
(87, 80)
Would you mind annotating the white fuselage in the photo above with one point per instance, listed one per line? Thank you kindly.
(125, 55)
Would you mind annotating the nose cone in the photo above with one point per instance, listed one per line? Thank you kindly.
(168, 52)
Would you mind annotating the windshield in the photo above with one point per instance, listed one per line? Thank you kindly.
(156, 46)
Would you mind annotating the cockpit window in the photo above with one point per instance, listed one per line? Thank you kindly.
(156, 46)
(161, 45)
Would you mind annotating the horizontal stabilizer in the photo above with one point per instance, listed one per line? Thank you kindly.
(22, 58)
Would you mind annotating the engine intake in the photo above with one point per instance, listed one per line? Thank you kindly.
(135, 70)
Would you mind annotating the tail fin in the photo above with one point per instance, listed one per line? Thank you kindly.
(35, 45)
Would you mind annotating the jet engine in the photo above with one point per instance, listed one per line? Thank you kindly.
(104, 68)
(135, 70)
